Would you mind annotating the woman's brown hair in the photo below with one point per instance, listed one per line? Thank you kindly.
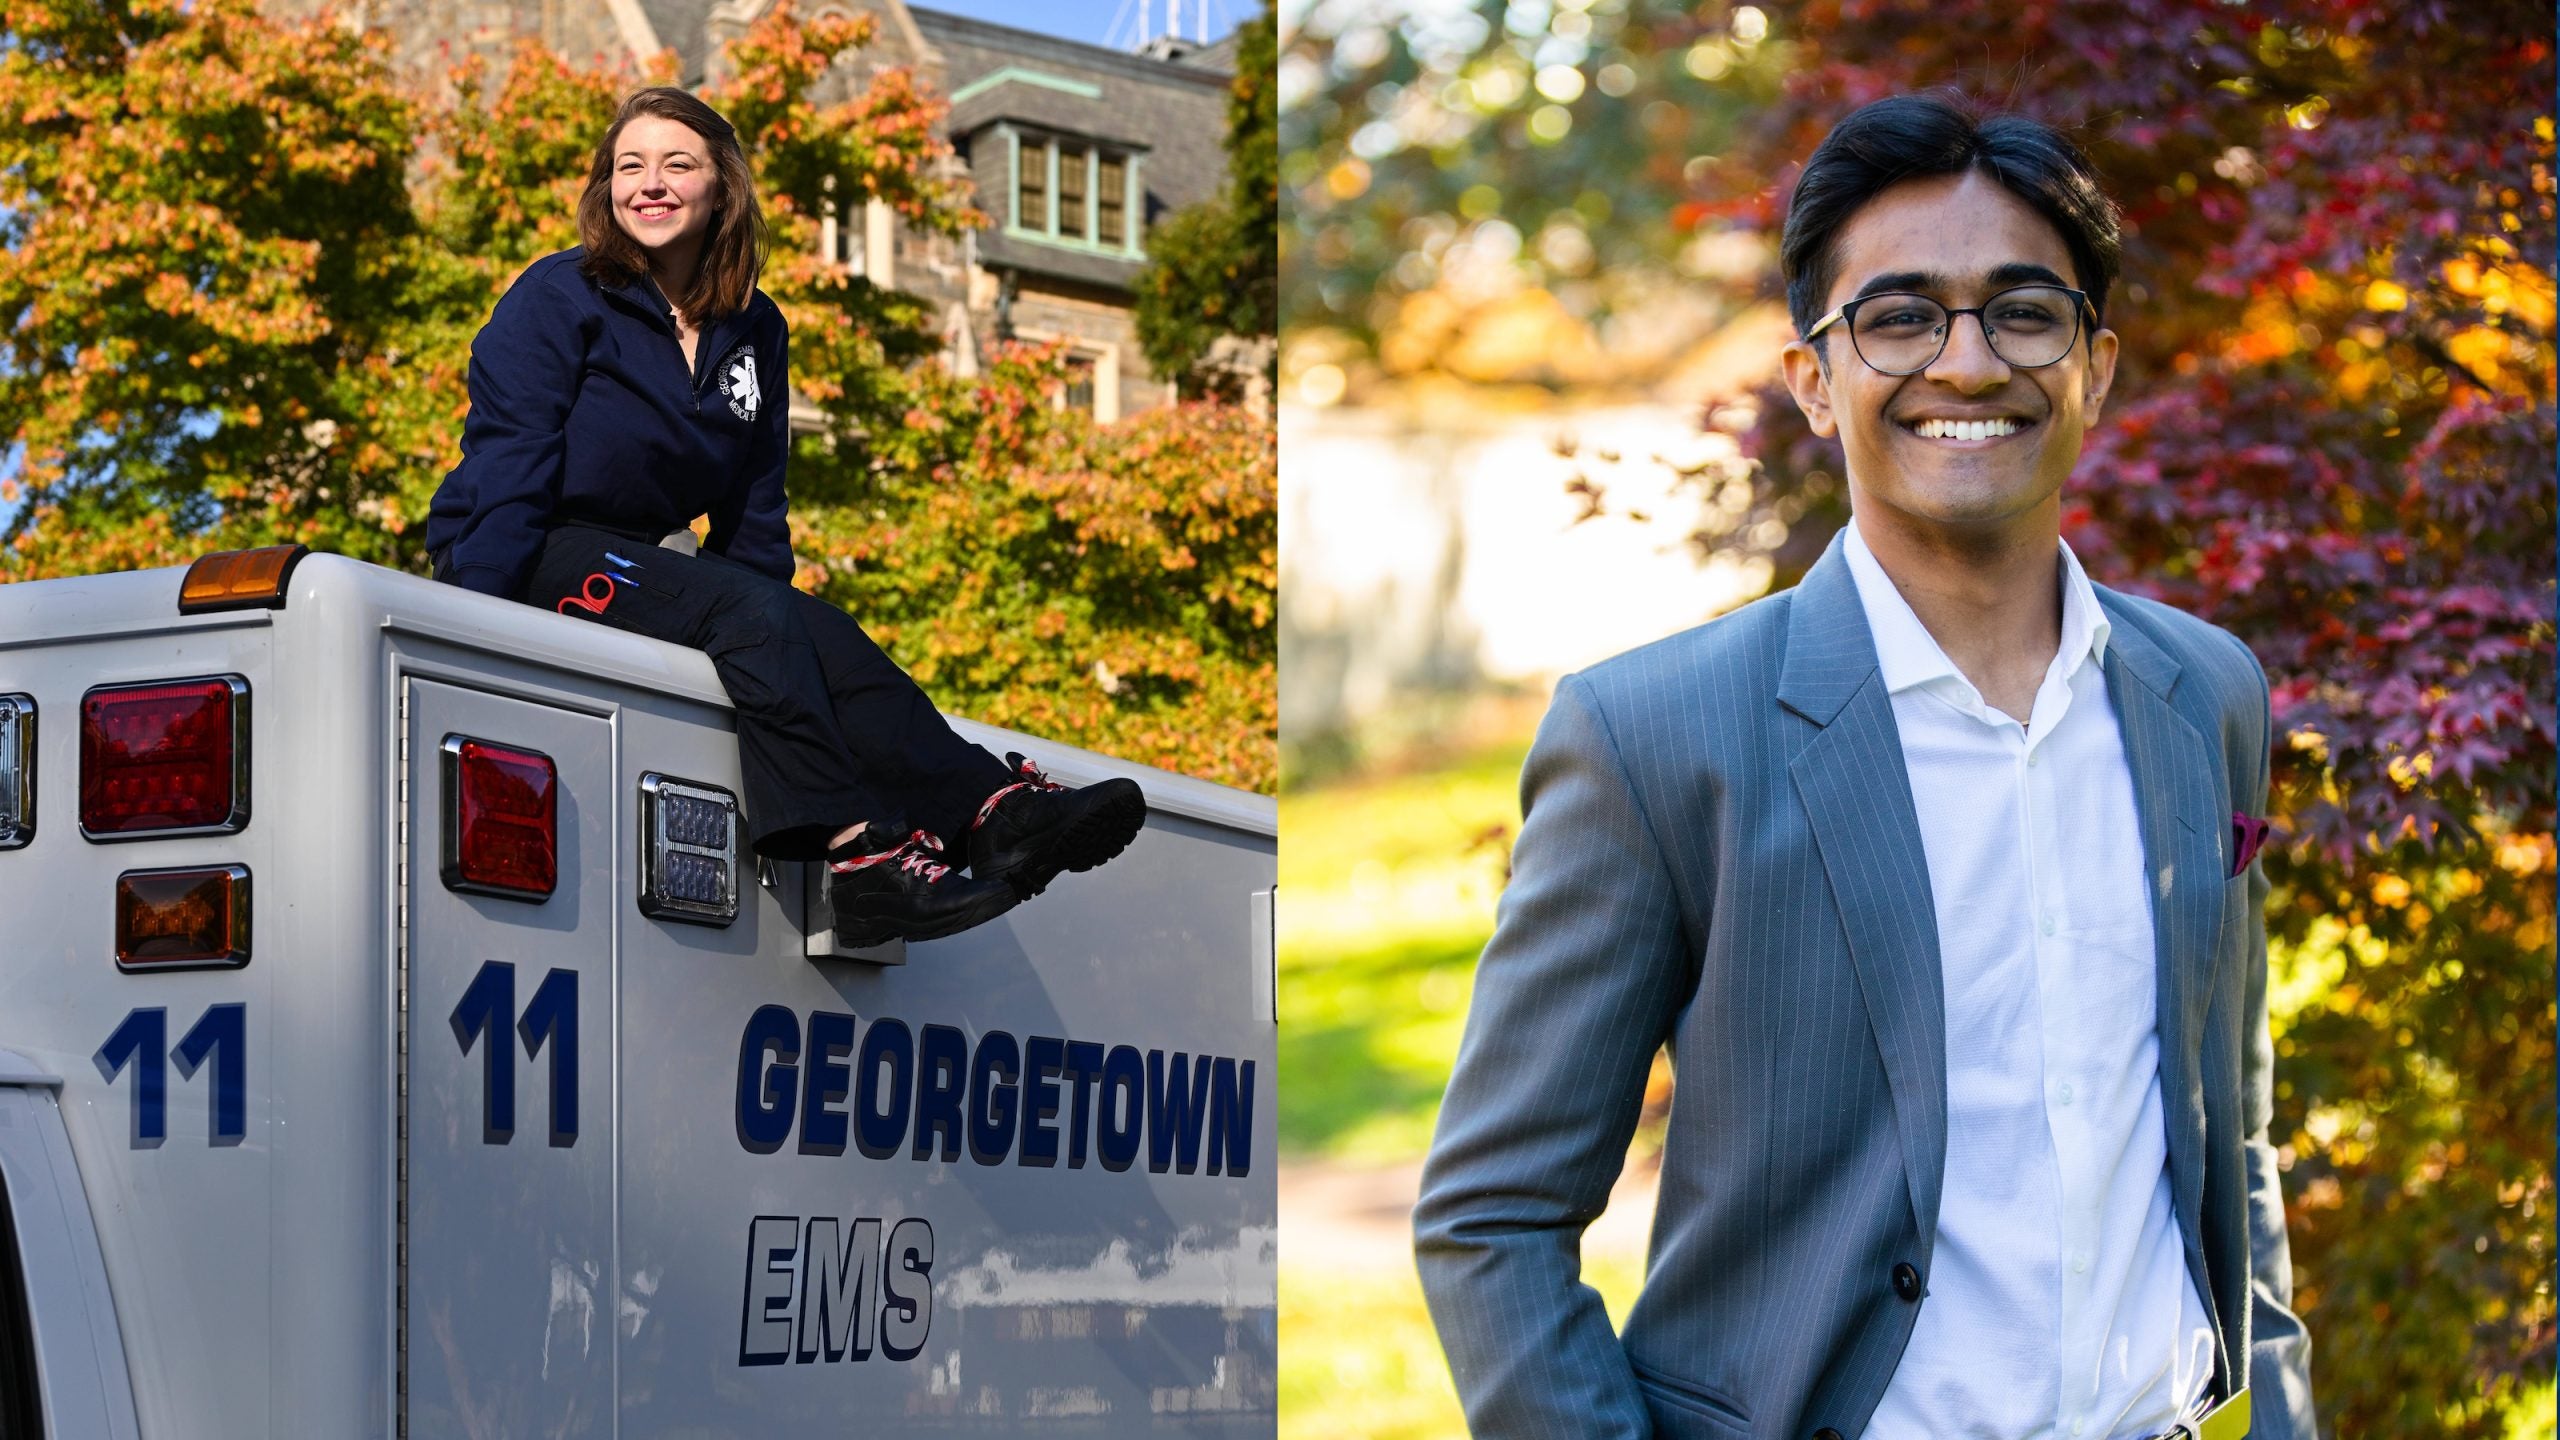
(733, 251)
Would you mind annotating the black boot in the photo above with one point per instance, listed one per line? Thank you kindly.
(1034, 828)
(907, 892)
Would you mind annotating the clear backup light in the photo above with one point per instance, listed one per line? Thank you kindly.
(183, 919)
(688, 851)
(164, 758)
(17, 770)
(501, 820)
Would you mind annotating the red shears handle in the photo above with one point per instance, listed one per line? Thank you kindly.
(590, 598)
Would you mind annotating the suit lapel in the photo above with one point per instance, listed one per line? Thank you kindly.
(1857, 795)
(2184, 851)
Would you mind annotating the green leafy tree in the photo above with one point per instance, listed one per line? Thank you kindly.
(233, 322)
(1213, 267)
(1439, 163)
(1038, 570)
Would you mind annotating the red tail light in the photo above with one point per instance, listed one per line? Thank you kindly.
(182, 919)
(501, 820)
(167, 758)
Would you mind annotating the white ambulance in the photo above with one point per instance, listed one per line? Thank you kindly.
(396, 1039)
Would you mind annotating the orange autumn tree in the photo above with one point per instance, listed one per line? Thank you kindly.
(233, 317)
(206, 245)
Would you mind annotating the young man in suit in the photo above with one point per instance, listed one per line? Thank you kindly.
(1936, 874)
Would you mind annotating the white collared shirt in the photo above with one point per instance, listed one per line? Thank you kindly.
(2058, 1301)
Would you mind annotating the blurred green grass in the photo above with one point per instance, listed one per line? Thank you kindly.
(1387, 890)
(1359, 1357)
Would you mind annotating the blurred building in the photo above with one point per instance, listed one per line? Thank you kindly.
(1077, 152)
(1447, 554)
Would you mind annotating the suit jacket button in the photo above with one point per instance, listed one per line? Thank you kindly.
(1826, 1433)
(1906, 1281)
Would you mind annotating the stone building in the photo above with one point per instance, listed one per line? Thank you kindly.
(1076, 151)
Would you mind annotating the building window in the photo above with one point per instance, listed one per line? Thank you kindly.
(1092, 381)
(859, 235)
(1112, 201)
(1080, 383)
(1072, 161)
(1031, 206)
(849, 237)
(1075, 192)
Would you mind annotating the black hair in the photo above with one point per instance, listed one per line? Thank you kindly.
(1913, 137)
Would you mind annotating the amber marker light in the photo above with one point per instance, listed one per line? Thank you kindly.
(188, 919)
(239, 579)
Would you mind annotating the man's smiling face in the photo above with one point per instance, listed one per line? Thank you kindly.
(1958, 239)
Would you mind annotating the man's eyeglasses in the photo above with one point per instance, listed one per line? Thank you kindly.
(1899, 333)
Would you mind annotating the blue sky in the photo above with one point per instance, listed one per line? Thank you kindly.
(1115, 23)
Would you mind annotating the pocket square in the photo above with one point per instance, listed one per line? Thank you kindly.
(2248, 833)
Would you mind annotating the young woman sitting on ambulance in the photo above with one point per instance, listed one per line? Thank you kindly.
(623, 388)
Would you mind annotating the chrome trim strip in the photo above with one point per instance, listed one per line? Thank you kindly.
(18, 759)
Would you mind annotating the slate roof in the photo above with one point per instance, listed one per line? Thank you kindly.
(1219, 56)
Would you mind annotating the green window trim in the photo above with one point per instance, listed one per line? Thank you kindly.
(1057, 197)
(1132, 246)
(1017, 75)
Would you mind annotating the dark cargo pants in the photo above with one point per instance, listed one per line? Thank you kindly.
(831, 732)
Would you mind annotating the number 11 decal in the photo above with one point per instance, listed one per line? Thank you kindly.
(485, 1015)
(142, 1042)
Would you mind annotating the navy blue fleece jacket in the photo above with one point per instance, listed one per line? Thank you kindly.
(584, 412)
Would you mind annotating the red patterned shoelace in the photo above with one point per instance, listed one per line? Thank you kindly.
(912, 855)
(1033, 779)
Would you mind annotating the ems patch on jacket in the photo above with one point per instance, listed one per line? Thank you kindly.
(738, 383)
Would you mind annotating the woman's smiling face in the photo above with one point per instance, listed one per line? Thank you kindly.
(663, 184)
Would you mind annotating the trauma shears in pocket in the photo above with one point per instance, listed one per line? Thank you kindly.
(594, 594)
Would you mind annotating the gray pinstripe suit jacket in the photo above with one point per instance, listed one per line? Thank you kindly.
(1719, 850)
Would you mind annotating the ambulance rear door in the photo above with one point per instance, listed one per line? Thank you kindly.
(507, 1135)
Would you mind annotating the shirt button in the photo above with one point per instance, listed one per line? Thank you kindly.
(2079, 1264)
(2079, 1427)
(2031, 759)
(1906, 1281)
(2046, 925)
(2065, 1094)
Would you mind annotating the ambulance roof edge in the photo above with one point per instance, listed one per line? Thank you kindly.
(413, 605)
